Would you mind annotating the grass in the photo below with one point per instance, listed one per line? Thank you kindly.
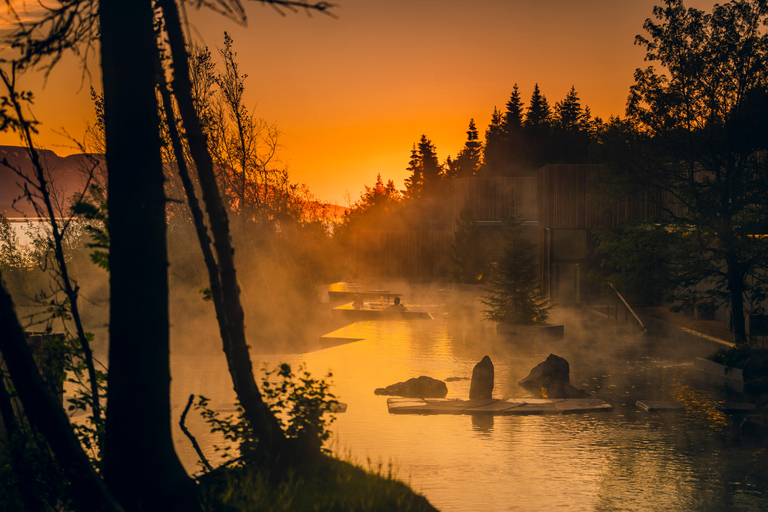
(330, 485)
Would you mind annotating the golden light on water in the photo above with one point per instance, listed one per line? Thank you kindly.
(627, 459)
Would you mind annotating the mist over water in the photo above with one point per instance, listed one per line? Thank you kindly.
(620, 460)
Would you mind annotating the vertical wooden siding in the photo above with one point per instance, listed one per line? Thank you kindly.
(491, 197)
(568, 200)
(403, 253)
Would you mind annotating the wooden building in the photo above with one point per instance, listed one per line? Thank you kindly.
(559, 208)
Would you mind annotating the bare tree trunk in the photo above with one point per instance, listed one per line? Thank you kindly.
(736, 289)
(70, 290)
(261, 419)
(197, 214)
(46, 415)
(140, 464)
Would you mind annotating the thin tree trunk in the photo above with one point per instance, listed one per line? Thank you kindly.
(261, 419)
(140, 464)
(72, 292)
(736, 289)
(46, 415)
(197, 214)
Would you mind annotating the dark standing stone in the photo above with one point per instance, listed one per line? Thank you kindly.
(555, 368)
(552, 378)
(482, 379)
(423, 387)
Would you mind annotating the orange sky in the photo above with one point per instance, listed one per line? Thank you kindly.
(351, 95)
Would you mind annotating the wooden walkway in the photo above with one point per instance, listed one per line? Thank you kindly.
(510, 406)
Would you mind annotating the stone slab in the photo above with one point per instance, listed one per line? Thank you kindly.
(654, 406)
(461, 404)
(534, 409)
(735, 408)
(498, 407)
(511, 406)
(583, 405)
(399, 405)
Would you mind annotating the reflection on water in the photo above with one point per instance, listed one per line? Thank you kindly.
(620, 460)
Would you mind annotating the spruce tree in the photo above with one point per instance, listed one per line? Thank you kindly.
(512, 126)
(568, 113)
(538, 115)
(570, 136)
(467, 162)
(538, 127)
(494, 153)
(431, 170)
(414, 182)
(514, 295)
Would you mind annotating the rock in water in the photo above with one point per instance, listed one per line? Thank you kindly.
(482, 379)
(423, 387)
(555, 368)
(552, 378)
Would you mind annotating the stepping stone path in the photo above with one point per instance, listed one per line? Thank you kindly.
(512, 406)
(651, 406)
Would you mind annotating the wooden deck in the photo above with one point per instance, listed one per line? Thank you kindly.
(374, 311)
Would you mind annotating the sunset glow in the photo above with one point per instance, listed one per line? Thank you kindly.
(351, 94)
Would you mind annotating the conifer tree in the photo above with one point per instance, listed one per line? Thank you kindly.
(538, 116)
(414, 181)
(426, 171)
(568, 113)
(538, 127)
(431, 170)
(570, 135)
(467, 162)
(513, 132)
(494, 152)
(514, 295)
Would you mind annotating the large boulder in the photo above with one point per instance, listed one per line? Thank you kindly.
(557, 389)
(555, 368)
(423, 387)
(482, 379)
(552, 378)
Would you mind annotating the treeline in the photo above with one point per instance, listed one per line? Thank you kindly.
(518, 141)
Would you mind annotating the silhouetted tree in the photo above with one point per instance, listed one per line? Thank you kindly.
(374, 210)
(467, 162)
(141, 467)
(426, 171)
(512, 126)
(700, 128)
(570, 138)
(514, 294)
(538, 127)
(495, 149)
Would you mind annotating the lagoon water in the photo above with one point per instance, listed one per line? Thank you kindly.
(625, 459)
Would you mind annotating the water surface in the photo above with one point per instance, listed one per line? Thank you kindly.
(620, 460)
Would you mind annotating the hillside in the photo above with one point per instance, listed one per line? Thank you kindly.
(69, 179)
(67, 173)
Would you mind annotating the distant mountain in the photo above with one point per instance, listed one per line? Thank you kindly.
(67, 174)
(68, 178)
